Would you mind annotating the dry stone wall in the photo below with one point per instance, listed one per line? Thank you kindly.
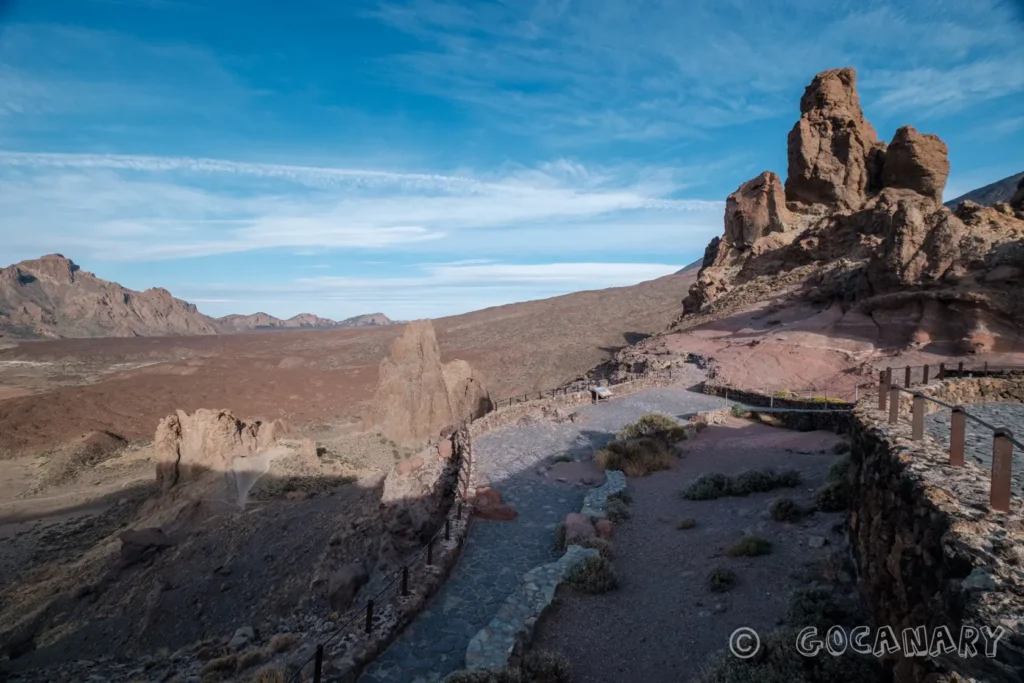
(928, 550)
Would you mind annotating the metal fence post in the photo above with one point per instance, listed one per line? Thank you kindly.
(883, 391)
(318, 665)
(924, 379)
(942, 371)
(986, 368)
(894, 405)
(1002, 468)
(405, 581)
(906, 377)
(447, 529)
(960, 370)
(957, 432)
(917, 429)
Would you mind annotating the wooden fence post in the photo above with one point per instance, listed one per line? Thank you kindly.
(1002, 468)
(917, 429)
(957, 433)
(894, 405)
(318, 664)
(924, 380)
(883, 391)
(906, 377)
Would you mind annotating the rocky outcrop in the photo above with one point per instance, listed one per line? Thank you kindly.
(916, 162)
(417, 397)
(835, 157)
(52, 297)
(188, 446)
(863, 229)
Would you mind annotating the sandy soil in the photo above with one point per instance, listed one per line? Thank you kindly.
(663, 623)
(315, 378)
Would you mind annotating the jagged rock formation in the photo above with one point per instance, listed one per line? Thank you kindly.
(863, 227)
(417, 396)
(835, 157)
(52, 297)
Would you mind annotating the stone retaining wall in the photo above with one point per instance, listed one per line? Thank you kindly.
(510, 632)
(929, 552)
(967, 390)
(753, 398)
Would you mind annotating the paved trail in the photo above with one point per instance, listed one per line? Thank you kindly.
(497, 554)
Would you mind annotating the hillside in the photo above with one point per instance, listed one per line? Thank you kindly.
(999, 191)
(307, 321)
(52, 297)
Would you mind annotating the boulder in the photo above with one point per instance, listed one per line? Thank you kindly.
(835, 157)
(138, 545)
(578, 527)
(467, 395)
(344, 584)
(411, 404)
(487, 505)
(917, 162)
(755, 210)
(603, 527)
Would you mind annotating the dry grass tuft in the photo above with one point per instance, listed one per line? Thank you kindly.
(270, 674)
(751, 546)
(721, 580)
(281, 642)
(686, 523)
(249, 658)
(594, 575)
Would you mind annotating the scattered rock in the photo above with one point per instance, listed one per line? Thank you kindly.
(241, 638)
(344, 585)
(487, 505)
(138, 545)
(979, 580)
(603, 527)
(578, 527)
(816, 541)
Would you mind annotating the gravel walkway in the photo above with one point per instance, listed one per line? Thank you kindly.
(497, 554)
(978, 439)
(662, 623)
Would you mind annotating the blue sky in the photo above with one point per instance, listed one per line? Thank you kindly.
(431, 157)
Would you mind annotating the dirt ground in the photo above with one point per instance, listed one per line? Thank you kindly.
(663, 623)
(54, 391)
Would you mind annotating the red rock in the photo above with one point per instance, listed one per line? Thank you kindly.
(487, 505)
(578, 527)
(409, 465)
(444, 450)
(604, 528)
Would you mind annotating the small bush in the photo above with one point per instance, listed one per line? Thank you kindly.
(818, 607)
(216, 668)
(833, 497)
(840, 469)
(738, 410)
(601, 545)
(786, 510)
(686, 523)
(636, 457)
(594, 575)
(270, 674)
(281, 642)
(750, 546)
(616, 510)
(564, 457)
(841, 447)
(652, 425)
(721, 580)
(249, 658)
(717, 485)
(623, 495)
(560, 537)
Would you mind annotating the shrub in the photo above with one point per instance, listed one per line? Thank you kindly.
(281, 642)
(841, 447)
(716, 485)
(594, 575)
(624, 495)
(721, 580)
(601, 545)
(686, 523)
(840, 469)
(270, 674)
(217, 668)
(833, 497)
(560, 537)
(818, 607)
(564, 457)
(751, 546)
(249, 658)
(616, 509)
(786, 510)
(738, 410)
(636, 457)
(652, 425)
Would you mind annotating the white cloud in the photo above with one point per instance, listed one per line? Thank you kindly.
(133, 208)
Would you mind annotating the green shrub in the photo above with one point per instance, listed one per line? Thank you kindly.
(593, 575)
(601, 545)
(652, 425)
(840, 469)
(833, 497)
(717, 485)
(564, 457)
(636, 457)
(738, 410)
(616, 509)
(686, 523)
(560, 537)
(624, 495)
(750, 546)
(721, 580)
(786, 510)
(819, 607)
(841, 447)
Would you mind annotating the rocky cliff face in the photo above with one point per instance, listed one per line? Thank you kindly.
(417, 396)
(861, 224)
(52, 297)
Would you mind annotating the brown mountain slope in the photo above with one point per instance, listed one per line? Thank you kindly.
(308, 377)
(265, 321)
(991, 194)
(53, 297)
(852, 261)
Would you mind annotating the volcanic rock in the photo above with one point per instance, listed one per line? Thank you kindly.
(835, 157)
(344, 585)
(917, 162)
(487, 505)
(467, 395)
(754, 211)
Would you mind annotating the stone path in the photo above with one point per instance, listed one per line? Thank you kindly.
(978, 439)
(497, 554)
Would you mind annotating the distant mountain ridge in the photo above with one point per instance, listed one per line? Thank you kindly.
(999, 191)
(52, 297)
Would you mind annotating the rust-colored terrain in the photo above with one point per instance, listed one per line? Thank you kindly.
(54, 391)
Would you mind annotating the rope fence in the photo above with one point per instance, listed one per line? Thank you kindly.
(1003, 440)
